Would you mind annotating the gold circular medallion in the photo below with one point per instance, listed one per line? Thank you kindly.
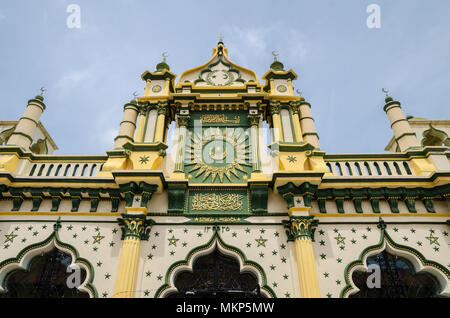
(156, 89)
(281, 88)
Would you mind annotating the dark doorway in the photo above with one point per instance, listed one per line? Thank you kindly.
(398, 279)
(216, 276)
(46, 278)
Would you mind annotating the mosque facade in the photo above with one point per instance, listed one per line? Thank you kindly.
(247, 203)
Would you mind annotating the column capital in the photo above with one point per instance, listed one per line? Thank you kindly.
(295, 105)
(253, 120)
(162, 107)
(275, 107)
(135, 226)
(300, 227)
(183, 120)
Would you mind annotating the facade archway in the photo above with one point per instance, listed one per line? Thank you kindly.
(24, 262)
(246, 268)
(410, 264)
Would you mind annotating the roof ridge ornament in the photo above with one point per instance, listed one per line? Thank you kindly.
(276, 65)
(388, 98)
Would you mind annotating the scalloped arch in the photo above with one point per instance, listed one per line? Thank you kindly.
(215, 241)
(23, 261)
(419, 262)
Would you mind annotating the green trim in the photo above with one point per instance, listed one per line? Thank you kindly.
(398, 120)
(306, 117)
(391, 103)
(405, 134)
(215, 237)
(31, 119)
(54, 236)
(124, 136)
(128, 121)
(22, 134)
(145, 146)
(384, 237)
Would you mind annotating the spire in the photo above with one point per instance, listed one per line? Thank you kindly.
(163, 66)
(276, 65)
(388, 98)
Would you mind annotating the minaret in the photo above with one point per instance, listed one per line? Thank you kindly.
(23, 134)
(128, 124)
(404, 136)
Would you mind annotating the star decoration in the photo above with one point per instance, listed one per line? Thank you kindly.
(170, 231)
(274, 252)
(283, 260)
(149, 256)
(146, 292)
(143, 159)
(274, 284)
(107, 276)
(261, 241)
(97, 229)
(185, 230)
(35, 233)
(395, 229)
(287, 295)
(364, 236)
(69, 228)
(339, 260)
(30, 228)
(184, 244)
(436, 249)
(323, 256)
(156, 234)
(234, 234)
(445, 233)
(353, 241)
(159, 277)
(340, 239)
(148, 274)
(199, 234)
(276, 234)
(432, 239)
(173, 241)
(321, 232)
(262, 231)
(97, 238)
(413, 231)
(329, 295)
(292, 159)
(95, 248)
(247, 230)
(322, 243)
(261, 255)
(338, 282)
(419, 243)
(368, 229)
(10, 237)
(326, 275)
(283, 247)
(272, 267)
(44, 227)
(285, 276)
(75, 235)
(99, 264)
(111, 244)
(86, 242)
(24, 240)
(405, 238)
(353, 230)
(249, 244)
(172, 253)
(114, 231)
(83, 228)
(105, 294)
(153, 247)
(17, 228)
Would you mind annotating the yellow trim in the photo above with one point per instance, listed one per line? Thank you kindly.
(114, 214)
(126, 275)
(136, 209)
(307, 269)
(389, 214)
(141, 128)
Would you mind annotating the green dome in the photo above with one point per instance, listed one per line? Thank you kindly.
(133, 102)
(39, 97)
(277, 66)
(302, 99)
(162, 66)
(388, 99)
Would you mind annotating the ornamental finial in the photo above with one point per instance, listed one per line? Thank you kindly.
(42, 90)
(385, 91)
(164, 55)
(275, 55)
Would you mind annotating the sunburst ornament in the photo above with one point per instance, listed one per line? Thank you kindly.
(219, 153)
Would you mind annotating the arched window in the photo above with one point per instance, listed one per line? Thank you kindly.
(377, 167)
(329, 167)
(397, 169)
(406, 166)
(388, 170)
(58, 170)
(33, 170)
(66, 172)
(49, 171)
(358, 169)
(75, 170)
(397, 279)
(93, 170)
(41, 170)
(216, 276)
(349, 170)
(46, 278)
(368, 171)
(83, 172)
(338, 166)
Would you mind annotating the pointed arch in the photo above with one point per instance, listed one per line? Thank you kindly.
(25, 256)
(419, 262)
(215, 242)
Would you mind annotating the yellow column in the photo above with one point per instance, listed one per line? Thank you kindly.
(159, 133)
(141, 124)
(276, 121)
(299, 225)
(296, 120)
(135, 227)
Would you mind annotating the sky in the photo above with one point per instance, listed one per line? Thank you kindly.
(90, 72)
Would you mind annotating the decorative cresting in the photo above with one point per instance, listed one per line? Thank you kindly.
(410, 196)
(215, 242)
(300, 228)
(23, 260)
(420, 263)
(219, 73)
(135, 226)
